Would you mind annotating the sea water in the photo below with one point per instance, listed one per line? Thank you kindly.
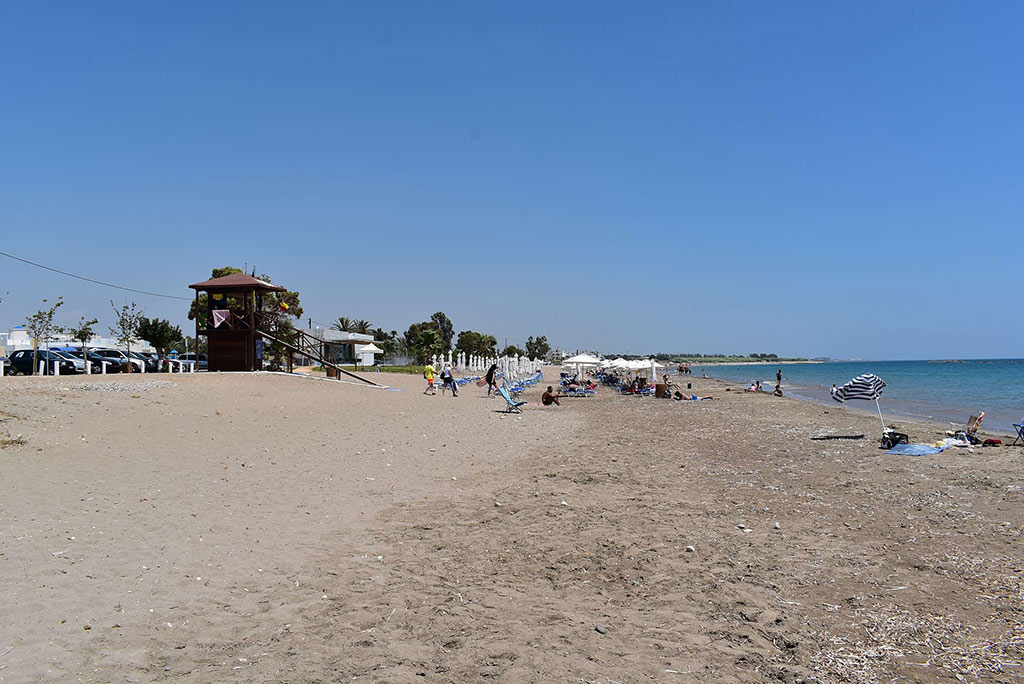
(939, 391)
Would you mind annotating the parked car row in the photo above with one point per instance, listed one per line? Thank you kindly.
(71, 360)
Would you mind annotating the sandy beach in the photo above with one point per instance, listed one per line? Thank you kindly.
(263, 528)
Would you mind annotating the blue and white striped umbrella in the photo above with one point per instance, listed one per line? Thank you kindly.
(867, 386)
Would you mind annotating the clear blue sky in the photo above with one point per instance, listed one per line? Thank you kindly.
(803, 178)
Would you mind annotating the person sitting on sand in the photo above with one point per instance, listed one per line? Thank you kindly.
(753, 387)
(758, 388)
(778, 391)
(549, 397)
(703, 373)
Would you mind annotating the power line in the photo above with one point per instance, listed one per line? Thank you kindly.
(91, 280)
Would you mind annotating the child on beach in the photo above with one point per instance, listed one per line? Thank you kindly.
(428, 375)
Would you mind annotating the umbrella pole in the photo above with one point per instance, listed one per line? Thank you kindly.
(880, 415)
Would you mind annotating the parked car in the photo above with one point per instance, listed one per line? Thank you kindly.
(96, 360)
(79, 363)
(22, 362)
(122, 358)
(201, 364)
(151, 361)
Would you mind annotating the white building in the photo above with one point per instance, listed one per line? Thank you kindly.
(342, 351)
(19, 338)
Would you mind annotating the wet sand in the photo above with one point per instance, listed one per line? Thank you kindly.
(279, 529)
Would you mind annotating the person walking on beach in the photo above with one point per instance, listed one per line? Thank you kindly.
(492, 379)
(428, 375)
(448, 381)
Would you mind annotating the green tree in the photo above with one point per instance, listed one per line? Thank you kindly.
(512, 350)
(343, 324)
(82, 332)
(537, 347)
(160, 333)
(445, 328)
(40, 325)
(471, 342)
(427, 342)
(387, 341)
(126, 325)
(363, 327)
(418, 343)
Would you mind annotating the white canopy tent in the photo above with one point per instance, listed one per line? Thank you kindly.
(581, 363)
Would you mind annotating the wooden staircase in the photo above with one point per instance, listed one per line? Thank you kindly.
(303, 344)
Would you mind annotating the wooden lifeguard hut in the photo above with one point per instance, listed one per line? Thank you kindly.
(230, 322)
(236, 327)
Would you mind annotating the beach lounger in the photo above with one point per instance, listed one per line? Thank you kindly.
(1020, 432)
(513, 405)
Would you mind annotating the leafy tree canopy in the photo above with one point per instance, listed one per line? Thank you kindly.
(160, 333)
(445, 329)
(537, 347)
(471, 342)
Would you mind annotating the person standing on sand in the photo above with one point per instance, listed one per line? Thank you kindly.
(448, 381)
(428, 375)
(492, 379)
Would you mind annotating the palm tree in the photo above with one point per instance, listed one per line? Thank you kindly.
(428, 342)
(343, 324)
(363, 327)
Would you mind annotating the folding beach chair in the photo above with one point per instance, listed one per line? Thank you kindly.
(513, 406)
(1020, 432)
(973, 423)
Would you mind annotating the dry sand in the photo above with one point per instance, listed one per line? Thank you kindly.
(261, 528)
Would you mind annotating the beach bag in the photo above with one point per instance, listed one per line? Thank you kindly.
(892, 438)
(992, 443)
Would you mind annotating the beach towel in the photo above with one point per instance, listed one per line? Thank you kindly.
(916, 449)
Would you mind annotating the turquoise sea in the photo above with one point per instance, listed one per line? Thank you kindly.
(929, 390)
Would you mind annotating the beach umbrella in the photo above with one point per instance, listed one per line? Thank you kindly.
(868, 387)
